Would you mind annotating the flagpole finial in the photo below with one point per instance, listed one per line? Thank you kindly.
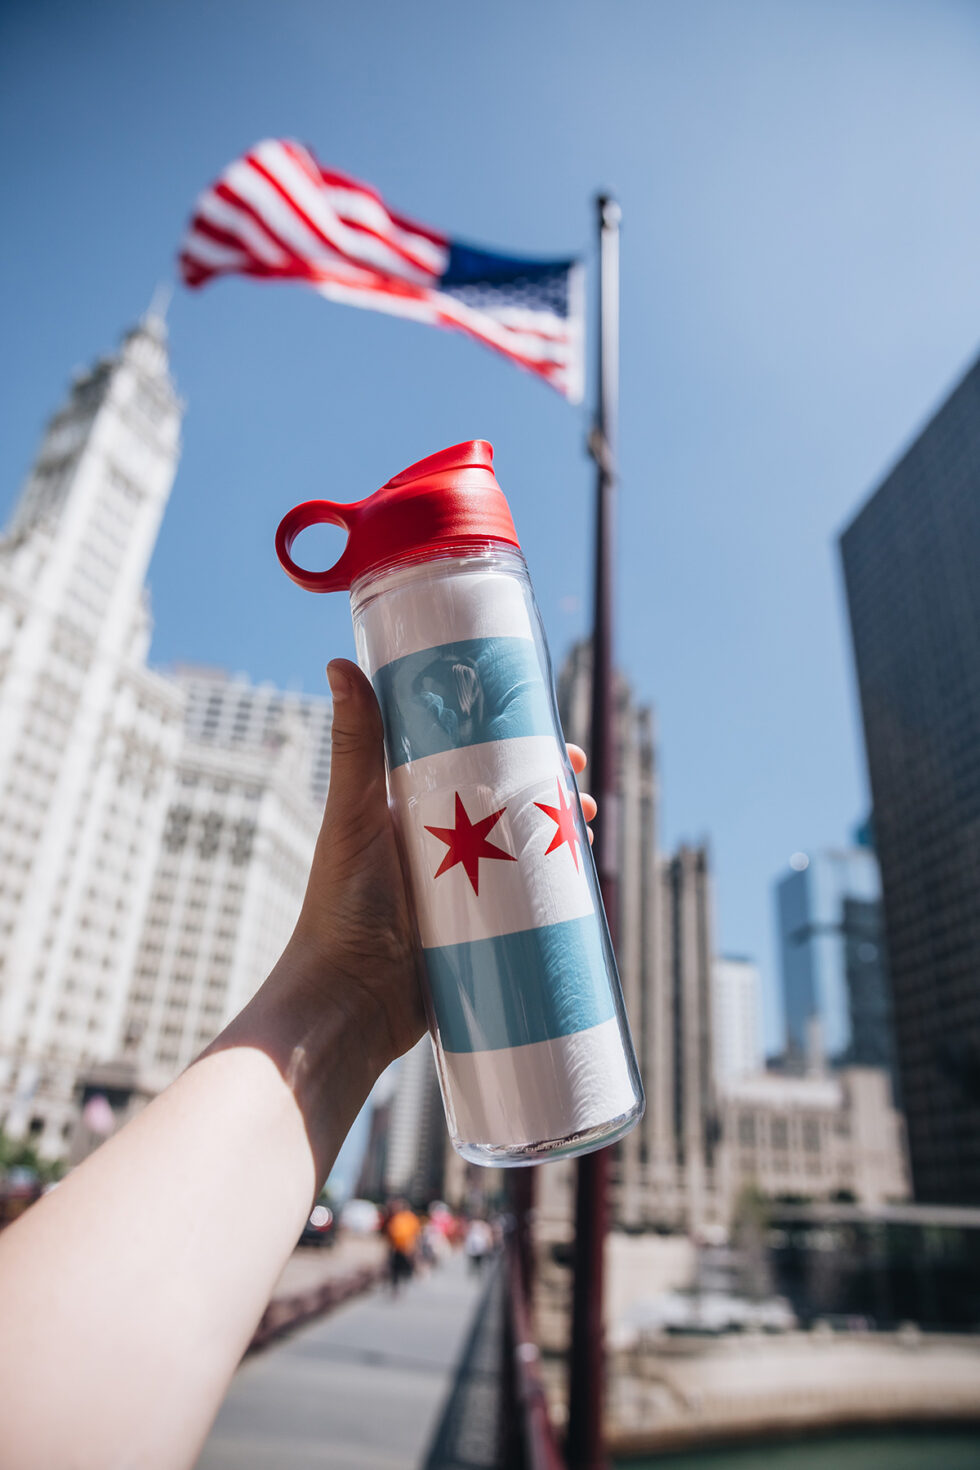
(610, 213)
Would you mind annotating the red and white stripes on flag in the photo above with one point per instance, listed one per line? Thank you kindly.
(278, 214)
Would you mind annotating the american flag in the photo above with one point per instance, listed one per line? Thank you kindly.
(278, 214)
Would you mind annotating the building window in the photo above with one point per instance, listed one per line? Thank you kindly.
(211, 836)
(178, 822)
(779, 1133)
(746, 1128)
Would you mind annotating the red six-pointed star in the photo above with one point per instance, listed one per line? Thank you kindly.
(467, 844)
(564, 816)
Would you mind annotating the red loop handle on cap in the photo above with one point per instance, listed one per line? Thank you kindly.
(450, 499)
(317, 513)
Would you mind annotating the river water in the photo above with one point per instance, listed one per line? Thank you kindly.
(910, 1449)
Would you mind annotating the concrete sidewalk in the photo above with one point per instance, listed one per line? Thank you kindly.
(362, 1390)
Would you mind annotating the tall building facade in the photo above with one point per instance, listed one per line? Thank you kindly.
(736, 991)
(230, 870)
(872, 1039)
(688, 1047)
(664, 1170)
(229, 710)
(88, 734)
(415, 1148)
(910, 561)
(156, 832)
(832, 958)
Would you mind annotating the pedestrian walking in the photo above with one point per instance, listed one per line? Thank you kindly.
(478, 1244)
(403, 1230)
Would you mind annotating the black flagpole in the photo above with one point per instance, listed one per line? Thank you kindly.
(586, 1378)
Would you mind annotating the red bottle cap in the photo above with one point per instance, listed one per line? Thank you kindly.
(444, 501)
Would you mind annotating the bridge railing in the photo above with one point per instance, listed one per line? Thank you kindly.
(527, 1436)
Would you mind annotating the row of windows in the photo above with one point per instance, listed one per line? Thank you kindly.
(146, 991)
(781, 1164)
(778, 1131)
(222, 787)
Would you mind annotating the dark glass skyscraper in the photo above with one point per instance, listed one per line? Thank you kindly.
(912, 571)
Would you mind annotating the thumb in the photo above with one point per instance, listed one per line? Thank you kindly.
(357, 798)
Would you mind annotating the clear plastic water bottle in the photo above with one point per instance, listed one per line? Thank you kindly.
(525, 1008)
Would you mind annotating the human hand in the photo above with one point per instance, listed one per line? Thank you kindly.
(356, 926)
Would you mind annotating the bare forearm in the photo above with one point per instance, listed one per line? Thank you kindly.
(137, 1284)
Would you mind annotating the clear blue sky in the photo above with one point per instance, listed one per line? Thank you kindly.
(801, 282)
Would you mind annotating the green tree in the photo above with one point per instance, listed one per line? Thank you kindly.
(19, 1153)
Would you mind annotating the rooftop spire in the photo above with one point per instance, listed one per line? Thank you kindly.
(156, 312)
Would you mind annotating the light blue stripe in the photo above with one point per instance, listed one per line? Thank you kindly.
(465, 693)
(534, 985)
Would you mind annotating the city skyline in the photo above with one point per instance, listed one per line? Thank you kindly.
(795, 297)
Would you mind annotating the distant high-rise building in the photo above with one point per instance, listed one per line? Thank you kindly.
(832, 957)
(662, 1170)
(735, 1019)
(688, 944)
(156, 832)
(371, 1174)
(415, 1149)
(869, 996)
(911, 558)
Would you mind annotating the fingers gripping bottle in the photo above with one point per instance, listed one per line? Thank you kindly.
(525, 1008)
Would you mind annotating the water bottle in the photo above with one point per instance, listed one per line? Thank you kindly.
(525, 1008)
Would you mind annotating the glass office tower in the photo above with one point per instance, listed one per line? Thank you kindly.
(912, 572)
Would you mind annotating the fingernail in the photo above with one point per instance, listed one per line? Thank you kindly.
(339, 683)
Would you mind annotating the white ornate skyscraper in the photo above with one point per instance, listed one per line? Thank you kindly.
(231, 869)
(155, 832)
(88, 735)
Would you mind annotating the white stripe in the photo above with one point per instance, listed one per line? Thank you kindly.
(225, 216)
(573, 381)
(211, 255)
(438, 308)
(362, 294)
(545, 1091)
(354, 204)
(271, 207)
(539, 888)
(521, 318)
(472, 603)
(355, 244)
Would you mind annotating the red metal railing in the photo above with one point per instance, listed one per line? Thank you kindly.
(527, 1437)
(286, 1312)
(531, 1432)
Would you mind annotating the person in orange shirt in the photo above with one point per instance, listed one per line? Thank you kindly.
(403, 1231)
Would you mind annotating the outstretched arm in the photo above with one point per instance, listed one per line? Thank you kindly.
(130, 1293)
